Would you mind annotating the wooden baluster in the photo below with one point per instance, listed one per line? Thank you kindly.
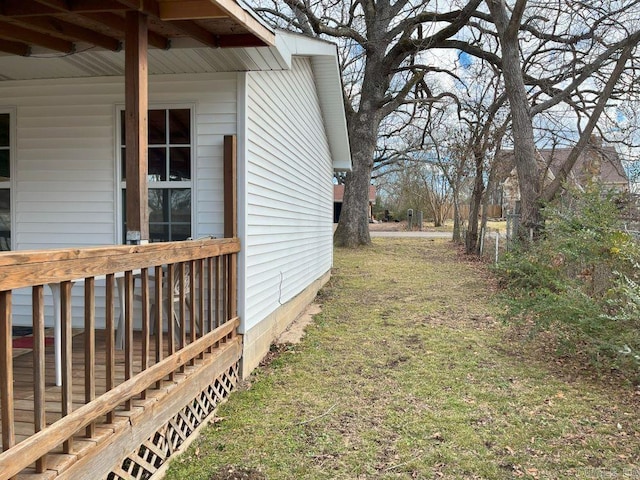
(232, 276)
(89, 347)
(158, 318)
(6, 373)
(183, 309)
(201, 300)
(191, 301)
(144, 286)
(210, 294)
(110, 338)
(171, 329)
(225, 288)
(67, 357)
(218, 297)
(39, 409)
(128, 331)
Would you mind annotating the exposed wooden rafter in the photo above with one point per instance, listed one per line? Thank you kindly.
(13, 32)
(15, 48)
(117, 23)
(197, 32)
(59, 28)
(190, 10)
(58, 25)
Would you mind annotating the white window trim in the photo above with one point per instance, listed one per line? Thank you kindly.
(13, 139)
(120, 184)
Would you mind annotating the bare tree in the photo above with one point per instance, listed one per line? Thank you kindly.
(381, 41)
(591, 46)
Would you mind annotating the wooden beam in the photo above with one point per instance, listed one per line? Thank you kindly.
(148, 7)
(10, 31)
(197, 32)
(117, 23)
(242, 17)
(46, 7)
(15, 48)
(18, 8)
(190, 10)
(78, 6)
(69, 31)
(239, 40)
(136, 108)
(230, 187)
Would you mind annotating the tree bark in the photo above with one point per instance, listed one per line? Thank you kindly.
(472, 243)
(353, 226)
(522, 126)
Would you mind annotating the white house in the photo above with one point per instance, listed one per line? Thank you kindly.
(62, 162)
(62, 116)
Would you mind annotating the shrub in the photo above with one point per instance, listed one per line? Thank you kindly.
(580, 279)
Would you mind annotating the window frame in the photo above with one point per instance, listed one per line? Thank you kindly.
(157, 185)
(10, 185)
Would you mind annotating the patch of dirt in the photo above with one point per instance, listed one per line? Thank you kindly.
(295, 332)
(232, 472)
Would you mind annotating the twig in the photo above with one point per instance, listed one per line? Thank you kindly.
(319, 416)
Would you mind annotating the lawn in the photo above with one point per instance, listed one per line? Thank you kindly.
(406, 373)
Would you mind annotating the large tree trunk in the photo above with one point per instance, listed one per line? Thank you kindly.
(353, 226)
(523, 142)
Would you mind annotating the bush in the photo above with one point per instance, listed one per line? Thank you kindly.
(580, 279)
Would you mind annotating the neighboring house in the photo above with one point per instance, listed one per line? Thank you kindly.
(243, 142)
(597, 163)
(338, 196)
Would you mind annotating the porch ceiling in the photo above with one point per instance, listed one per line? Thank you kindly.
(69, 26)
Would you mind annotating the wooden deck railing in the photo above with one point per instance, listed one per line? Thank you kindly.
(200, 272)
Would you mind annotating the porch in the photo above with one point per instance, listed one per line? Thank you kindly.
(118, 413)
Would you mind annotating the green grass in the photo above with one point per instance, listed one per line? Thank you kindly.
(406, 374)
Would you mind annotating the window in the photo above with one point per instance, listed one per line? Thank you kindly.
(169, 174)
(5, 181)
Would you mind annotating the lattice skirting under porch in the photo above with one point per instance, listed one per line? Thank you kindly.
(148, 458)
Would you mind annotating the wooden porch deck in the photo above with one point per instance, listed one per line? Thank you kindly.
(57, 463)
(119, 414)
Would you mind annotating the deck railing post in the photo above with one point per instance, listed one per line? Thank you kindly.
(231, 221)
(6, 372)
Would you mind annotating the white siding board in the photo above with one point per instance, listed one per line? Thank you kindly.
(65, 187)
(288, 188)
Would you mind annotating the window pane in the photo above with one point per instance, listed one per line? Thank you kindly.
(157, 165)
(180, 232)
(5, 172)
(180, 126)
(5, 219)
(180, 164)
(158, 205)
(157, 127)
(123, 160)
(181, 205)
(123, 138)
(159, 232)
(4, 130)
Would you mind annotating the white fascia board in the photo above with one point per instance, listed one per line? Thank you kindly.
(326, 69)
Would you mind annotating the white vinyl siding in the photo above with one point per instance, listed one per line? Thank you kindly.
(66, 185)
(289, 191)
